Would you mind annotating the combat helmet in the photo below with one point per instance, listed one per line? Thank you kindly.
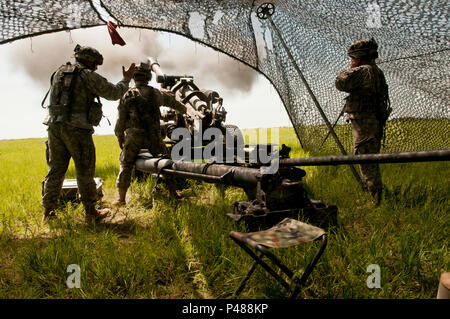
(142, 72)
(366, 49)
(88, 54)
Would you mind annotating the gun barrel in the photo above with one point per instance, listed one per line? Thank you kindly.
(154, 66)
(403, 157)
(211, 173)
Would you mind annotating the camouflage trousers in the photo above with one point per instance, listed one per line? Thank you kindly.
(366, 140)
(65, 142)
(134, 142)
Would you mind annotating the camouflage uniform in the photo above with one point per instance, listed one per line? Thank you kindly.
(138, 126)
(364, 107)
(72, 136)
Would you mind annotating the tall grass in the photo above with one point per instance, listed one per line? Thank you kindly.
(157, 247)
(401, 135)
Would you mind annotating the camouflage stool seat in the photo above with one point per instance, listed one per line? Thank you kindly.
(287, 233)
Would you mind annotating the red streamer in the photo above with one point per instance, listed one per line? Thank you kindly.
(115, 37)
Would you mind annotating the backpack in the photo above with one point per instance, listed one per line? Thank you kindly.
(61, 89)
(145, 114)
(62, 86)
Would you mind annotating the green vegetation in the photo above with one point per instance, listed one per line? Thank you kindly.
(401, 135)
(157, 247)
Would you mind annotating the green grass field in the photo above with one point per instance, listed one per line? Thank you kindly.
(161, 248)
(401, 135)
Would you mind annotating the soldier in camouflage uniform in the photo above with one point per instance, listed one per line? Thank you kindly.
(138, 126)
(70, 127)
(367, 107)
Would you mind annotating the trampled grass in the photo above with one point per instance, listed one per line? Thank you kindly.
(157, 247)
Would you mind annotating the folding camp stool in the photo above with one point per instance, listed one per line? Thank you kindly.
(287, 233)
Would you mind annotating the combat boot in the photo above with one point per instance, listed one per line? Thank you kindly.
(122, 197)
(96, 215)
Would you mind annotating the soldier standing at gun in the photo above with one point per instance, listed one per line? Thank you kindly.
(367, 107)
(72, 114)
(138, 126)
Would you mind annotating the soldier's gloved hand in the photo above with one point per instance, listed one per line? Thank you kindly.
(130, 72)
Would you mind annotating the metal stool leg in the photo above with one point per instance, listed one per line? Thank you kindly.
(246, 278)
(310, 267)
(258, 260)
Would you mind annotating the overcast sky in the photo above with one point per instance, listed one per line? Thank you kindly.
(249, 98)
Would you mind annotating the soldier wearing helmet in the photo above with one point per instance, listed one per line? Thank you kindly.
(73, 112)
(367, 107)
(138, 126)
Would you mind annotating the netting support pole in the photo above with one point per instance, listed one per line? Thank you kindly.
(316, 102)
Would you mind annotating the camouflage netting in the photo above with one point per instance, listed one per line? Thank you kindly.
(413, 37)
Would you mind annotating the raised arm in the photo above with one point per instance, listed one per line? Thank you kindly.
(100, 86)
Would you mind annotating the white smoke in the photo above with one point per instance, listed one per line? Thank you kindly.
(39, 57)
(211, 70)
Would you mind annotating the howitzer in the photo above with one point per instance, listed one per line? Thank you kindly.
(403, 157)
(276, 195)
(271, 196)
(204, 107)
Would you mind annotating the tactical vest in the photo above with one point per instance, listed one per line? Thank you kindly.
(371, 97)
(69, 98)
(144, 113)
(61, 91)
